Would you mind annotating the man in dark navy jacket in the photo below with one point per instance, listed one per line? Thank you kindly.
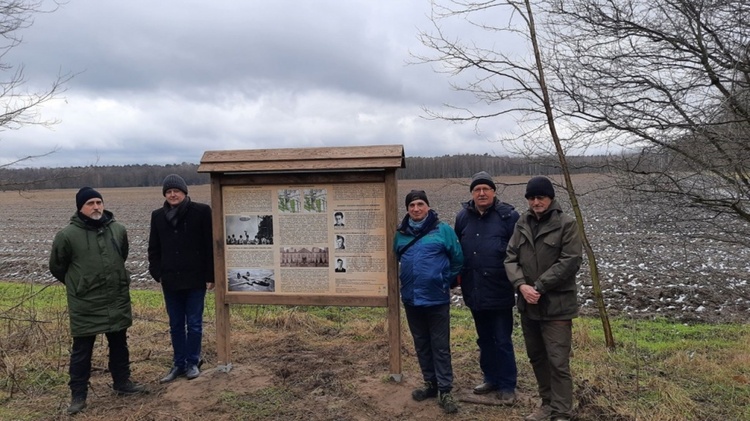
(484, 227)
(180, 257)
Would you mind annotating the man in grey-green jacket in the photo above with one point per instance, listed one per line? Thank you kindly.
(543, 256)
(88, 256)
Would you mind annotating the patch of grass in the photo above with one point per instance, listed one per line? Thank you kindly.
(260, 404)
(666, 370)
(147, 299)
(32, 296)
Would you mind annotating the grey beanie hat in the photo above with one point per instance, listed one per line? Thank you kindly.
(540, 186)
(482, 178)
(173, 181)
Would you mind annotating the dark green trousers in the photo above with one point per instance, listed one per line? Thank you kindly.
(548, 345)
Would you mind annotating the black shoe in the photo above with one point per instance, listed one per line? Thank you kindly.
(192, 372)
(446, 401)
(507, 398)
(76, 406)
(130, 388)
(174, 373)
(429, 390)
(484, 388)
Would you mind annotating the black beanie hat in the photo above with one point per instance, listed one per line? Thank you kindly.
(173, 181)
(415, 195)
(481, 178)
(540, 186)
(84, 195)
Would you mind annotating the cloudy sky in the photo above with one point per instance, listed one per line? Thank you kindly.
(160, 82)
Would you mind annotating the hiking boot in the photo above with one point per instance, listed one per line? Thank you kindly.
(130, 388)
(429, 390)
(506, 398)
(484, 388)
(76, 406)
(192, 372)
(445, 400)
(541, 414)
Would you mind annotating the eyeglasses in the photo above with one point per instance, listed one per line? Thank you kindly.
(482, 190)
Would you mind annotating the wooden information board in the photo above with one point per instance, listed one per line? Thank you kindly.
(307, 226)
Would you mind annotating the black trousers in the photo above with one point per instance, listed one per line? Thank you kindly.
(431, 329)
(80, 361)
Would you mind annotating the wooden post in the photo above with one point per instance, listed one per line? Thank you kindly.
(394, 303)
(223, 343)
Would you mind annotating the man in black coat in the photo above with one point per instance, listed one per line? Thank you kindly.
(180, 257)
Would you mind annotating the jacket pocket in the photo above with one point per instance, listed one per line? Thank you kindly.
(559, 303)
(83, 285)
(553, 239)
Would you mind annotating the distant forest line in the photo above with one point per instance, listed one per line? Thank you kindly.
(449, 166)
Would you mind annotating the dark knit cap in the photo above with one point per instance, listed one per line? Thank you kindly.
(482, 178)
(540, 186)
(84, 195)
(173, 181)
(416, 195)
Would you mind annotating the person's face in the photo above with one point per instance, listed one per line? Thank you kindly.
(339, 218)
(539, 204)
(339, 264)
(483, 196)
(93, 208)
(339, 242)
(174, 196)
(418, 209)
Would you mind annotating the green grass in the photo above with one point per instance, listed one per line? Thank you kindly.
(260, 404)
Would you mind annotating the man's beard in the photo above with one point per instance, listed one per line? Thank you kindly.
(96, 216)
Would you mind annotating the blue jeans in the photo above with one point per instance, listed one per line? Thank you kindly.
(185, 310)
(431, 330)
(497, 359)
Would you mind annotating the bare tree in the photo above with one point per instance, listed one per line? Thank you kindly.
(20, 107)
(508, 83)
(668, 82)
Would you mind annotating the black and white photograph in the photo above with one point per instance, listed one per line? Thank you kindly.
(340, 265)
(304, 257)
(338, 219)
(249, 230)
(251, 280)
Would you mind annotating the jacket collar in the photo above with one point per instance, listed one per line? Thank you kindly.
(501, 208)
(430, 221)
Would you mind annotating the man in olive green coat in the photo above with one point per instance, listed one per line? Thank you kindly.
(88, 256)
(543, 256)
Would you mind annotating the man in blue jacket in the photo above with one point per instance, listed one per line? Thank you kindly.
(180, 257)
(483, 227)
(430, 258)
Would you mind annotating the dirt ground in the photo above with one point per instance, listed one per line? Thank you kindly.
(290, 376)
